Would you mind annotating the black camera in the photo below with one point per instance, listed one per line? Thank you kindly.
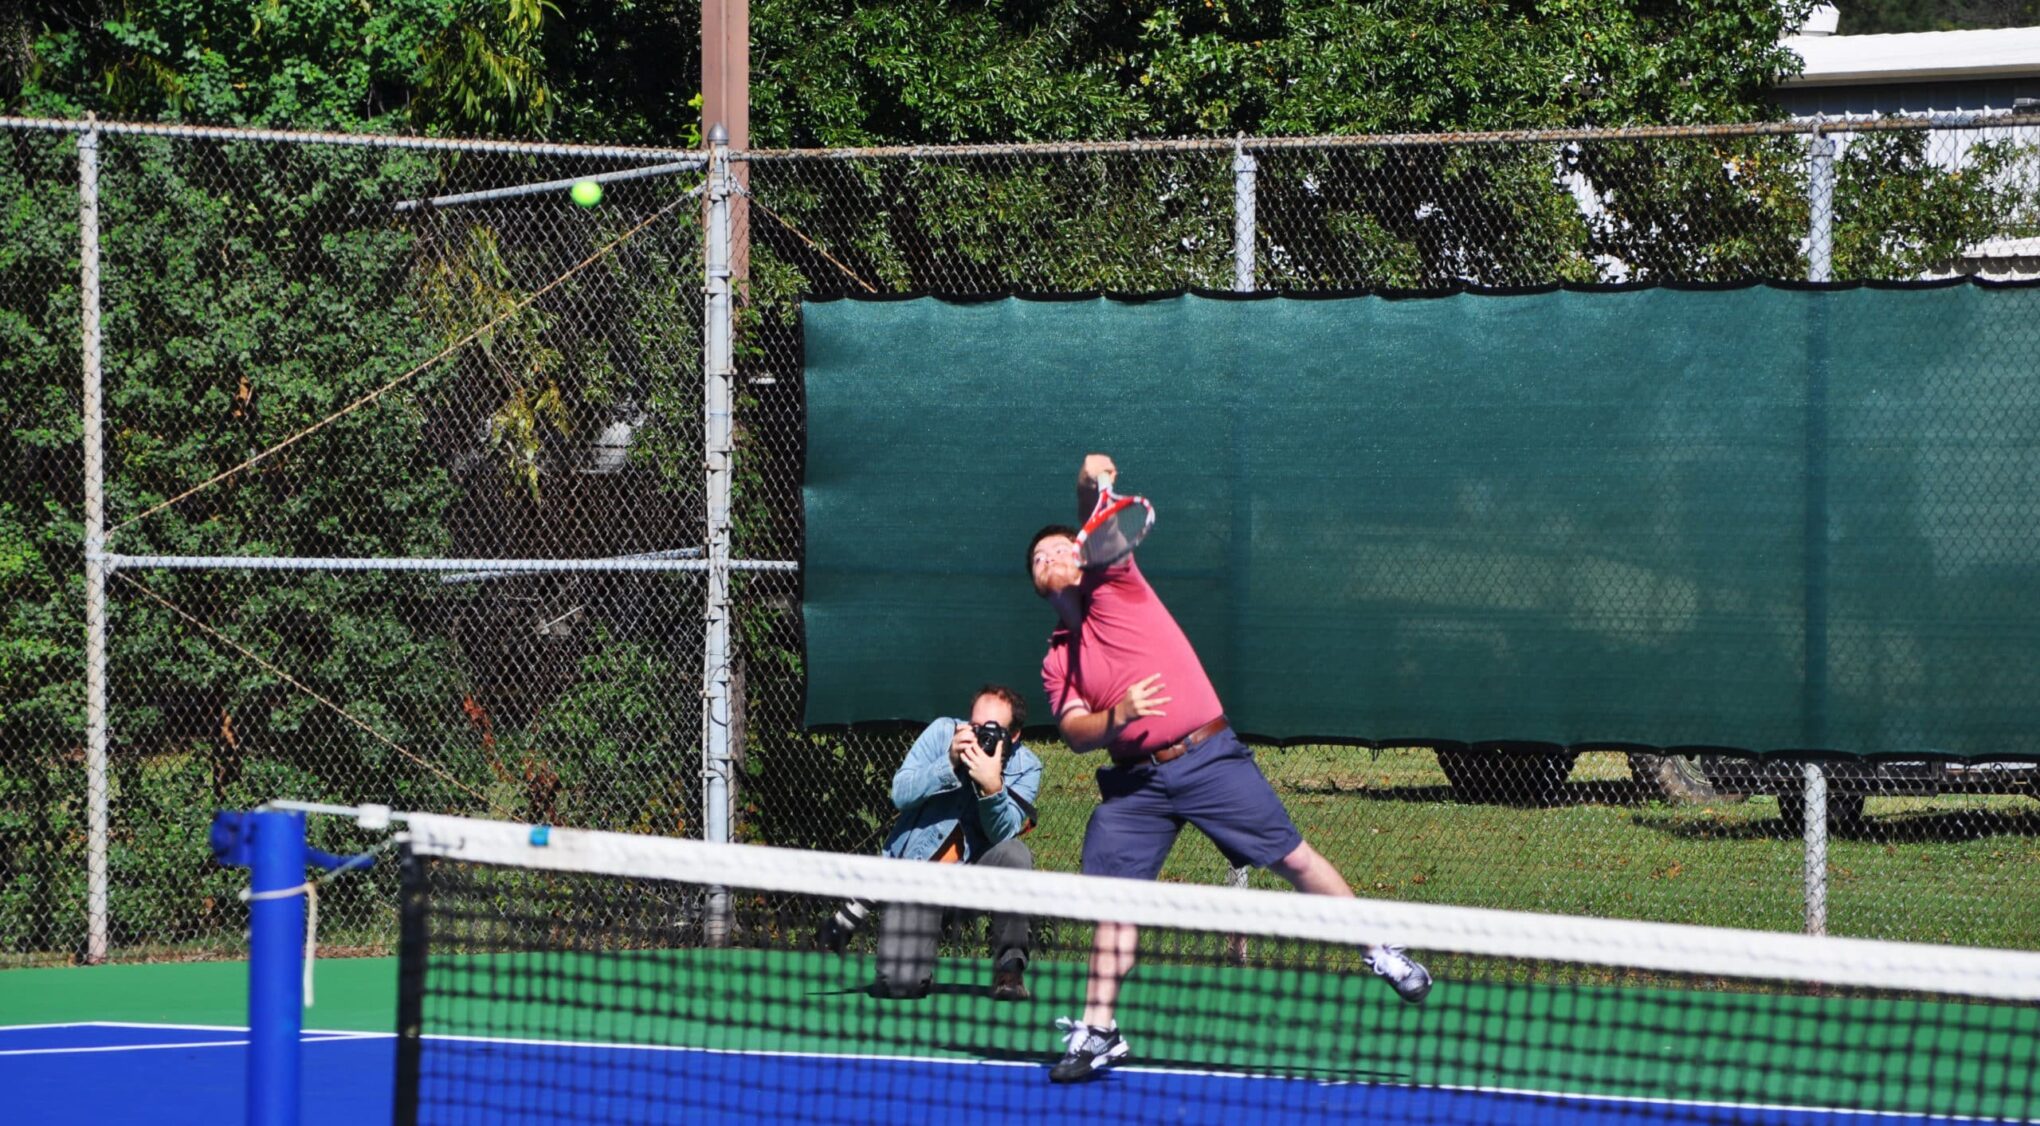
(990, 735)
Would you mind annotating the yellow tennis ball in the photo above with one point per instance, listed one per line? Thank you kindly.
(587, 193)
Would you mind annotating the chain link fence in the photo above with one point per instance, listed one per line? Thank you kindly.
(424, 485)
(402, 503)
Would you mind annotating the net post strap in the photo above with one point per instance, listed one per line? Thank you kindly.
(310, 890)
(1667, 947)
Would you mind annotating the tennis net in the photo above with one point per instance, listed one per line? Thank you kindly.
(565, 976)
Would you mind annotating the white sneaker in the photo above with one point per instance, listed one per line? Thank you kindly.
(1091, 1051)
(1411, 980)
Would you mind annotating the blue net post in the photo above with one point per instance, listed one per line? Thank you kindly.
(275, 966)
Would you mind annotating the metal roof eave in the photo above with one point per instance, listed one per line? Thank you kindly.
(1923, 56)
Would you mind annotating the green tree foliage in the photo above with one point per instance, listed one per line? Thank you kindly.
(484, 68)
(865, 72)
(620, 71)
(860, 72)
(626, 71)
(1907, 215)
(470, 66)
(312, 65)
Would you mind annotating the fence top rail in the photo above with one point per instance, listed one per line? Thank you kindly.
(1401, 140)
(682, 559)
(1054, 148)
(359, 140)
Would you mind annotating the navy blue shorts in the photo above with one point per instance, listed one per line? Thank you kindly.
(1214, 786)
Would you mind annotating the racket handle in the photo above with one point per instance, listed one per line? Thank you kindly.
(1105, 482)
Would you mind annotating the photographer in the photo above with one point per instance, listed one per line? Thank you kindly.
(965, 794)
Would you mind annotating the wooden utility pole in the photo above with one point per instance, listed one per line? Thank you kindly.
(726, 101)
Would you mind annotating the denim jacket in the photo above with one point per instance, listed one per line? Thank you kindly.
(931, 798)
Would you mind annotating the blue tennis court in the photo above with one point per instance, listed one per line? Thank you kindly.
(115, 1072)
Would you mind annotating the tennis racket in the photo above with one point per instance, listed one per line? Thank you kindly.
(1117, 525)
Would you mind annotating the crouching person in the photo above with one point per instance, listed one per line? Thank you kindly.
(965, 795)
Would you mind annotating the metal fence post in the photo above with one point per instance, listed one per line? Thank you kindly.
(1244, 169)
(1816, 848)
(1820, 198)
(717, 373)
(1820, 240)
(97, 940)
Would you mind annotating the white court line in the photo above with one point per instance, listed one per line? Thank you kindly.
(158, 1047)
(306, 1036)
(127, 1024)
(153, 1024)
(121, 1048)
(333, 1032)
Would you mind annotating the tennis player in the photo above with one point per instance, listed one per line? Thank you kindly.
(1121, 677)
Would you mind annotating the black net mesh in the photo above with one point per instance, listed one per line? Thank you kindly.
(584, 997)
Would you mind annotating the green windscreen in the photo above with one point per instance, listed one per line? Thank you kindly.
(1762, 518)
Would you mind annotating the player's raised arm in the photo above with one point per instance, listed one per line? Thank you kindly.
(1097, 468)
(1114, 524)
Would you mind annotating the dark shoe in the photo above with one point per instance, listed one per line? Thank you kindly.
(1010, 985)
(832, 937)
(1091, 1051)
(835, 932)
(888, 991)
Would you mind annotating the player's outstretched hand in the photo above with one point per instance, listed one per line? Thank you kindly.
(1095, 467)
(1144, 698)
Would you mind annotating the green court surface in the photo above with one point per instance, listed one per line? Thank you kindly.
(351, 994)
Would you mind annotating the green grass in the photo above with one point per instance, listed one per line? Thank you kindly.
(1950, 869)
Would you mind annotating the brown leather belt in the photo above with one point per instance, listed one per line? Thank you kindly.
(1175, 751)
